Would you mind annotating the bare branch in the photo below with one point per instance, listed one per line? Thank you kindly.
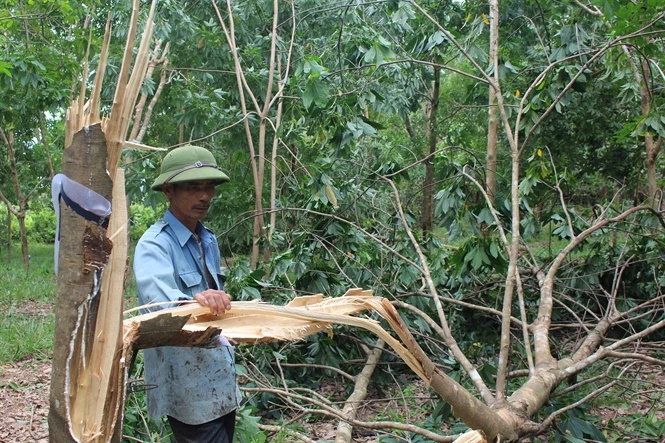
(359, 394)
(592, 9)
(450, 340)
(322, 367)
(562, 199)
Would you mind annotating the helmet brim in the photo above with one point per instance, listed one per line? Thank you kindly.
(205, 173)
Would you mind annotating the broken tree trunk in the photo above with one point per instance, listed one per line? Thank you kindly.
(98, 397)
(88, 388)
(84, 252)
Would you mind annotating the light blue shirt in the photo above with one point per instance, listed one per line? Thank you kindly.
(193, 385)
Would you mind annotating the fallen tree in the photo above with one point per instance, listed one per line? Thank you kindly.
(251, 323)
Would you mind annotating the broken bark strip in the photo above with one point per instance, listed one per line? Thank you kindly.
(83, 251)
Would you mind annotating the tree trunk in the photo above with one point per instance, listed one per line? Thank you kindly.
(19, 212)
(24, 241)
(83, 254)
(259, 221)
(9, 235)
(642, 74)
(493, 121)
(432, 133)
(652, 146)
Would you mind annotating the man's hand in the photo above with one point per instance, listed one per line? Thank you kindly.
(217, 301)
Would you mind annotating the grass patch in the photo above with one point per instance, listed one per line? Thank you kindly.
(27, 320)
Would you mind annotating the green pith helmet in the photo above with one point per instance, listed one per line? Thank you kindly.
(188, 163)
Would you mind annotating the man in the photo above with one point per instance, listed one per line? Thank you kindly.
(177, 258)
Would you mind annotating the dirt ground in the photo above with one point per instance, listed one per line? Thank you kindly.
(24, 394)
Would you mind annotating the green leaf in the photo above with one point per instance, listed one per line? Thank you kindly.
(378, 53)
(12, 385)
(312, 66)
(249, 293)
(435, 40)
(359, 128)
(477, 257)
(316, 92)
(494, 250)
(5, 68)
(485, 216)
(247, 429)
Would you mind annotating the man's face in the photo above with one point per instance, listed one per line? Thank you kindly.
(190, 201)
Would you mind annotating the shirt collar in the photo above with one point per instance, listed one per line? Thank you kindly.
(181, 232)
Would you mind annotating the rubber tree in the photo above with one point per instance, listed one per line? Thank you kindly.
(89, 367)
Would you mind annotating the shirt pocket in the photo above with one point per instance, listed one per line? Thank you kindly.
(191, 281)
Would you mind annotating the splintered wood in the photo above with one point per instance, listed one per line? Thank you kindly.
(256, 322)
(471, 437)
